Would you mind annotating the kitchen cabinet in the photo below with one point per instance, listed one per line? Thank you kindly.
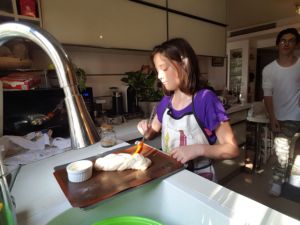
(157, 2)
(206, 38)
(109, 24)
(137, 25)
(237, 69)
(214, 10)
(10, 11)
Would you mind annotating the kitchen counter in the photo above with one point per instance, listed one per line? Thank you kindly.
(39, 198)
(128, 131)
(238, 107)
(37, 194)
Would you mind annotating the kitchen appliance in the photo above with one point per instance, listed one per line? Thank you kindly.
(87, 95)
(129, 99)
(117, 102)
(22, 108)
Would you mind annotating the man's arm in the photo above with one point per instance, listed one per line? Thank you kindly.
(270, 109)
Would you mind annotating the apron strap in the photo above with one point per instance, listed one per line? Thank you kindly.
(191, 166)
(199, 122)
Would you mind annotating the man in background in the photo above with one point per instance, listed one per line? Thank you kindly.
(281, 85)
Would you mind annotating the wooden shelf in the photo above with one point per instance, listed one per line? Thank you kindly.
(6, 14)
(10, 12)
(28, 18)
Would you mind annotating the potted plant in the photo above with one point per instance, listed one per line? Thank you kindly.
(147, 87)
(81, 78)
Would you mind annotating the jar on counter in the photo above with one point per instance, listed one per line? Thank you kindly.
(108, 136)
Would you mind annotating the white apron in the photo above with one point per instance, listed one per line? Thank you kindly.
(186, 131)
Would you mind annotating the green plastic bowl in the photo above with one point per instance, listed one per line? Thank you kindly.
(127, 220)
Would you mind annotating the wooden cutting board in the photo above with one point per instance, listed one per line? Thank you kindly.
(105, 184)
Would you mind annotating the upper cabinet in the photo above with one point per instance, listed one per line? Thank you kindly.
(201, 23)
(156, 2)
(111, 24)
(138, 24)
(205, 38)
(214, 10)
(23, 11)
(238, 68)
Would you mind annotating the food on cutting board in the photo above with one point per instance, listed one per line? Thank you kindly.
(122, 161)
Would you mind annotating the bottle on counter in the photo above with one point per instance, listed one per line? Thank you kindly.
(131, 99)
(108, 136)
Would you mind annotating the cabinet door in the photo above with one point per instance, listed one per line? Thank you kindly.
(206, 38)
(209, 9)
(238, 63)
(157, 2)
(112, 24)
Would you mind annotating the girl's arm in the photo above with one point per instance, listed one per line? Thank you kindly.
(226, 148)
(151, 131)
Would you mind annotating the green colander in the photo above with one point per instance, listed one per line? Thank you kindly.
(127, 220)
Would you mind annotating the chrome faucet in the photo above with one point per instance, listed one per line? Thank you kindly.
(7, 207)
(82, 129)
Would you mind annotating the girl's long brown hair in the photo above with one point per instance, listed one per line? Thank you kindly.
(182, 55)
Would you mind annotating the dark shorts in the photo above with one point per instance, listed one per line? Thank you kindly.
(289, 128)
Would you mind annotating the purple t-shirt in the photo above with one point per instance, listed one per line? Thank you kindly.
(208, 109)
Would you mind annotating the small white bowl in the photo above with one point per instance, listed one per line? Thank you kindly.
(80, 171)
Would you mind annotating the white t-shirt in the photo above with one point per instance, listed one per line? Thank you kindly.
(283, 84)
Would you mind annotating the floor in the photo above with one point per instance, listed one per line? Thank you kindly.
(256, 186)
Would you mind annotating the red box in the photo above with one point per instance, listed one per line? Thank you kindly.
(20, 81)
(27, 8)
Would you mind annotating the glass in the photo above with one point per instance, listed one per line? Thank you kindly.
(235, 70)
(287, 42)
(108, 136)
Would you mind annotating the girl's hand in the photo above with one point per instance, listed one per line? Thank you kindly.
(184, 154)
(143, 126)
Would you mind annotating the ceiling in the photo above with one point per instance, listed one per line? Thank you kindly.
(245, 13)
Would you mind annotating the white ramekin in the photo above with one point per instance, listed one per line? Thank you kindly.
(80, 171)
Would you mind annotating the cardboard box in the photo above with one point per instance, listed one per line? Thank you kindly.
(21, 81)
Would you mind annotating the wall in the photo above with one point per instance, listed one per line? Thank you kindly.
(216, 75)
(248, 13)
(105, 67)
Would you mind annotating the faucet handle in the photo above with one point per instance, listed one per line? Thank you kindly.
(2, 167)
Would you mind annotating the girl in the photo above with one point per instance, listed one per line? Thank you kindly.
(189, 117)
